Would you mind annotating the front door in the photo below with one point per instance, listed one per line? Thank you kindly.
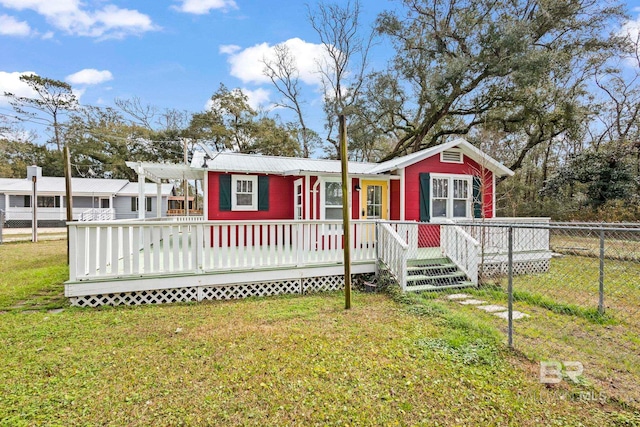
(373, 199)
(104, 203)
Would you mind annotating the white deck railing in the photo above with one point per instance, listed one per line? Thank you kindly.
(135, 248)
(393, 251)
(98, 214)
(493, 234)
(408, 232)
(44, 214)
(462, 249)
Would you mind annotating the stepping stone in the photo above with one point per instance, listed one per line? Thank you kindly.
(516, 315)
(472, 302)
(55, 310)
(458, 296)
(492, 308)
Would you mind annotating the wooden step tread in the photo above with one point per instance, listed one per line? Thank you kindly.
(430, 267)
(419, 277)
(439, 288)
(428, 261)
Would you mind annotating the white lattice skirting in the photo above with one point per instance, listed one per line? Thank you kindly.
(519, 267)
(218, 292)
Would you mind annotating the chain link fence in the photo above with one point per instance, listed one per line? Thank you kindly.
(570, 294)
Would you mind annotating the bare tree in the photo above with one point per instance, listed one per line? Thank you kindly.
(285, 76)
(141, 114)
(343, 69)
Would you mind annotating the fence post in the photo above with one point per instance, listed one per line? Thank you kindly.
(601, 290)
(510, 285)
(375, 242)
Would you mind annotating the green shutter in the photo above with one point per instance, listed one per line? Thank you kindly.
(425, 202)
(263, 193)
(225, 192)
(477, 197)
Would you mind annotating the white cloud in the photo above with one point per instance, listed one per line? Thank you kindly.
(89, 76)
(10, 26)
(72, 17)
(78, 92)
(229, 49)
(631, 28)
(257, 98)
(248, 65)
(202, 7)
(10, 82)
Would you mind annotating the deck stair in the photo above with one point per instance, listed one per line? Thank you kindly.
(434, 274)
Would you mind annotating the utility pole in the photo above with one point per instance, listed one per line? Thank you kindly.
(346, 211)
(185, 183)
(34, 208)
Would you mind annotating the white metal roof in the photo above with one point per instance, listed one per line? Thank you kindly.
(55, 185)
(150, 189)
(252, 163)
(257, 163)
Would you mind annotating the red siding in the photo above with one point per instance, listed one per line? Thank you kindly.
(429, 235)
(280, 200)
(434, 165)
(394, 208)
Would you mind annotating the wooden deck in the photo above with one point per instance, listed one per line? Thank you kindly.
(167, 261)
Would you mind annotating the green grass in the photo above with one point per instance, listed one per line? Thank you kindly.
(31, 275)
(565, 324)
(296, 360)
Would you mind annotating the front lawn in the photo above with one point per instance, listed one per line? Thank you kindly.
(295, 360)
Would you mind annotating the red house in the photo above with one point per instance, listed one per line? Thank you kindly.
(269, 226)
(450, 181)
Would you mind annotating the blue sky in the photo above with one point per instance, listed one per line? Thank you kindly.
(171, 54)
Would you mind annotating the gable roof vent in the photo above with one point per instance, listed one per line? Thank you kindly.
(451, 156)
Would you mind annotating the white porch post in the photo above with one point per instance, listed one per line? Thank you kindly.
(493, 207)
(142, 206)
(402, 195)
(158, 200)
(205, 196)
(307, 198)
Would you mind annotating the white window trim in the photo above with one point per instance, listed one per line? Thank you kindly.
(450, 177)
(455, 150)
(298, 183)
(323, 191)
(234, 186)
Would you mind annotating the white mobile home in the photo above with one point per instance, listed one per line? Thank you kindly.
(93, 199)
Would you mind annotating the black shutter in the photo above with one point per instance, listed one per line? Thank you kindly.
(148, 203)
(263, 193)
(477, 197)
(225, 192)
(425, 202)
(134, 204)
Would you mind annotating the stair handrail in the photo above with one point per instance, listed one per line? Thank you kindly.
(393, 251)
(461, 248)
